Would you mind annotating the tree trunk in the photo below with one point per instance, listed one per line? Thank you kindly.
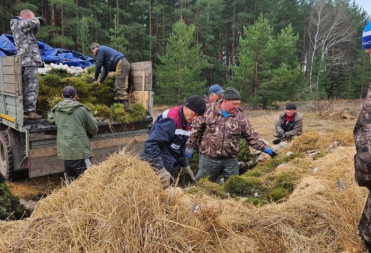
(52, 17)
(150, 28)
(233, 33)
(62, 20)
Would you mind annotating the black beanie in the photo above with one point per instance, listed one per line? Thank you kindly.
(232, 94)
(290, 106)
(196, 104)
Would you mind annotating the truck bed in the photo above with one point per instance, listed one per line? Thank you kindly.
(111, 137)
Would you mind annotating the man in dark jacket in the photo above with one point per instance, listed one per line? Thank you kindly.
(165, 146)
(217, 135)
(362, 159)
(289, 124)
(24, 29)
(110, 60)
(75, 125)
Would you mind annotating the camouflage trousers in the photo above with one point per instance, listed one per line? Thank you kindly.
(215, 167)
(30, 88)
(364, 226)
(121, 82)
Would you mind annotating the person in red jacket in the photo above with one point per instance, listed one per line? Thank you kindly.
(289, 124)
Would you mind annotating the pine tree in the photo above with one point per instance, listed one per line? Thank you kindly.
(84, 35)
(179, 74)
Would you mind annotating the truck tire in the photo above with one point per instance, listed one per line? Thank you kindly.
(6, 156)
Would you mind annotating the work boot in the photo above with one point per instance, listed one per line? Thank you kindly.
(32, 115)
(276, 141)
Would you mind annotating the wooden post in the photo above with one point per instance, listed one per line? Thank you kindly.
(143, 83)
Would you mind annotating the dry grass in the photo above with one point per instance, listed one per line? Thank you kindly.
(119, 206)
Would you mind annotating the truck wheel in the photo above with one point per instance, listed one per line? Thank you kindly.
(6, 156)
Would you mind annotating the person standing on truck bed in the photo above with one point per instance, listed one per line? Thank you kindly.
(111, 60)
(75, 125)
(24, 29)
(165, 146)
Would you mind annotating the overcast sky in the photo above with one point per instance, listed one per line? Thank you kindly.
(366, 4)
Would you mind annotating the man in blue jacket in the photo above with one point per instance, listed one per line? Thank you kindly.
(165, 146)
(110, 60)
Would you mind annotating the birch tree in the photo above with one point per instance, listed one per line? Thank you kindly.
(329, 29)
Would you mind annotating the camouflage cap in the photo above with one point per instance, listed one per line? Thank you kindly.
(94, 45)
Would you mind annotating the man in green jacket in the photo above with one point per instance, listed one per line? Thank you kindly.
(75, 125)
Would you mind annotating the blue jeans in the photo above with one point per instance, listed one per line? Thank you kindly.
(215, 167)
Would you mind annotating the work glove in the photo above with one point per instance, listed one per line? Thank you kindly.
(93, 80)
(189, 152)
(188, 171)
(41, 20)
(270, 152)
(165, 177)
(280, 134)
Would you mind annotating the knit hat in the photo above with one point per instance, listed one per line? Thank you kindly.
(94, 45)
(232, 94)
(216, 88)
(366, 36)
(196, 104)
(290, 106)
(69, 92)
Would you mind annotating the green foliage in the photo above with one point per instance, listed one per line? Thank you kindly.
(211, 188)
(10, 207)
(116, 36)
(259, 186)
(277, 193)
(269, 67)
(238, 185)
(62, 42)
(98, 97)
(179, 72)
(83, 32)
(223, 31)
(244, 155)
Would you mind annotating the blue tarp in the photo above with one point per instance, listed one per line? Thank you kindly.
(48, 54)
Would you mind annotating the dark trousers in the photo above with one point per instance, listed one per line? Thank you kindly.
(74, 168)
(215, 167)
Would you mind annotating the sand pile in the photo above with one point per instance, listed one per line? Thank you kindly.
(119, 206)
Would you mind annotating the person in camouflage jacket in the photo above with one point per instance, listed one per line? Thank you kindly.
(24, 29)
(217, 135)
(362, 159)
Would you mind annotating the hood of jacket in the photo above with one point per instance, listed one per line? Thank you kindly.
(67, 106)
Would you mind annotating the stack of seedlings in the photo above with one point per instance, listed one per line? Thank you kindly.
(98, 97)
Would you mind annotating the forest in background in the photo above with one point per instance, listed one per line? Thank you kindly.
(271, 50)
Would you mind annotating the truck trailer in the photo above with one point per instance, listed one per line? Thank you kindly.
(29, 146)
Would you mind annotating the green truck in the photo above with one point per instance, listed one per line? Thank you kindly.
(29, 146)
